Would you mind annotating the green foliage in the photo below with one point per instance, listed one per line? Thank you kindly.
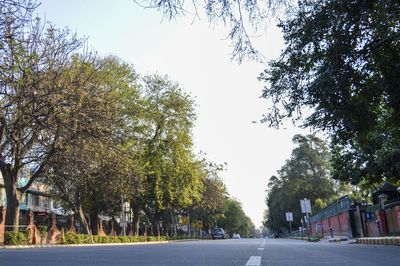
(43, 232)
(342, 62)
(73, 238)
(16, 238)
(319, 204)
(210, 207)
(305, 175)
(234, 220)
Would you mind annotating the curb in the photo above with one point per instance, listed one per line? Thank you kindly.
(312, 239)
(379, 241)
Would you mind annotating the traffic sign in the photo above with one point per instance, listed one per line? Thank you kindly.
(199, 224)
(122, 221)
(305, 206)
(289, 217)
(185, 220)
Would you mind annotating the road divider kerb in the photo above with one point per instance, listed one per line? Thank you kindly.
(395, 241)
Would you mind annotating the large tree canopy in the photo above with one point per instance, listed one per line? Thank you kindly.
(304, 175)
(341, 66)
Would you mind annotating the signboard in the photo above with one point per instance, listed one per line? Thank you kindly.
(185, 220)
(122, 221)
(369, 215)
(42, 214)
(199, 224)
(305, 206)
(185, 228)
(319, 225)
(289, 217)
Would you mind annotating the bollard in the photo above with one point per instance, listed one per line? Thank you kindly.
(331, 231)
(378, 225)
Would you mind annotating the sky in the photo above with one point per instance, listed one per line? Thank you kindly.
(198, 57)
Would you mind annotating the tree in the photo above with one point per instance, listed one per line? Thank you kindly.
(341, 63)
(233, 219)
(172, 174)
(305, 175)
(210, 206)
(94, 170)
(45, 98)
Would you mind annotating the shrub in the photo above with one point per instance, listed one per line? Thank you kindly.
(43, 232)
(16, 238)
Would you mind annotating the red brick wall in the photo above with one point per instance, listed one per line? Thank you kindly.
(2, 223)
(335, 224)
(325, 226)
(372, 229)
(339, 223)
(312, 228)
(344, 224)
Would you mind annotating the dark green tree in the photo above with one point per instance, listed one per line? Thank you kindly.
(340, 66)
(210, 206)
(305, 175)
(233, 219)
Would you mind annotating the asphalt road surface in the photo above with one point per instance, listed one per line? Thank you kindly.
(209, 252)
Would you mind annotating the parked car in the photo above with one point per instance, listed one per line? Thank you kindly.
(218, 233)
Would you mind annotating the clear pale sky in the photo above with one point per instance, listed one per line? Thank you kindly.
(198, 57)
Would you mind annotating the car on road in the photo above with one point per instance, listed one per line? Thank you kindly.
(218, 233)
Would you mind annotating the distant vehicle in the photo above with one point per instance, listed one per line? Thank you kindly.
(218, 233)
(236, 236)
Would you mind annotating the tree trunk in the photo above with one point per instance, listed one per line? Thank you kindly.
(156, 227)
(83, 221)
(174, 232)
(94, 221)
(13, 198)
(136, 222)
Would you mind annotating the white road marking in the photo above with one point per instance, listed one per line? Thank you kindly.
(254, 261)
(260, 248)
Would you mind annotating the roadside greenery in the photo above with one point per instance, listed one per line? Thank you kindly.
(97, 134)
(305, 175)
(72, 238)
(340, 68)
(16, 238)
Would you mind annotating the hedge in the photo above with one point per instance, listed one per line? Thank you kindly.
(73, 238)
(16, 238)
(22, 237)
